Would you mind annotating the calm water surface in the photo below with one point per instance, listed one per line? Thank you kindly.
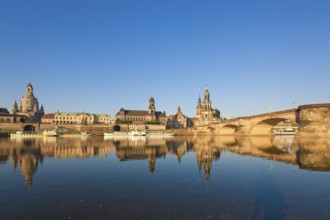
(207, 177)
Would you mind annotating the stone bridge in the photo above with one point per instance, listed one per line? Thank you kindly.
(310, 119)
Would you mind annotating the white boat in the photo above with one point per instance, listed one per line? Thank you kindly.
(285, 131)
(70, 135)
(25, 134)
(159, 134)
(137, 133)
(169, 134)
(115, 134)
(50, 133)
(86, 134)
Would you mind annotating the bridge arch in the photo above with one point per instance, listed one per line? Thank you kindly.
(264, 127)
(229, 129)
(116, 128)
(29, 128)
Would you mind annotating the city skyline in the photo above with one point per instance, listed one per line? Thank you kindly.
(255, 56)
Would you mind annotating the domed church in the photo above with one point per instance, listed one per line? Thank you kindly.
(29, 106)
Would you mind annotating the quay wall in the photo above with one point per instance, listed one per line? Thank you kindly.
(97, 129)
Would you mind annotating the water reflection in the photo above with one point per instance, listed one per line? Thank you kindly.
(140, 148)
(28, 154)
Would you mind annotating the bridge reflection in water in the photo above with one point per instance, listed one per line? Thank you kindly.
(28, 154)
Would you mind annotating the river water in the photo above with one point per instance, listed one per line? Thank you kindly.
(207, 177)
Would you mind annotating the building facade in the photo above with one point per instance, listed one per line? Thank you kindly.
(6, 117)
(48, 118)
(29, 106)
(140, 117)
(29, 103)
(205, 113)
(179, 120)
(75, 118)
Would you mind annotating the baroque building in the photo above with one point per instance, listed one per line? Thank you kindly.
(29, 106)
(6, 117)
(205, 114)
(140, 117)
(27, 112)
(75, 118)
(29, 103)
(179, 120)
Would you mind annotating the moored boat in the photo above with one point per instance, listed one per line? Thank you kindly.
(285, 131)
(115, 134)
(50, 133)
(137, 133)
(69, 134)
(25, 134)
(86, 134)
(159, 134)
(169, 134)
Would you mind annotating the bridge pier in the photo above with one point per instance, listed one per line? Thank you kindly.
(314, 119)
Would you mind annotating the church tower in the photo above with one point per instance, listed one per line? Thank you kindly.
(15, 108)
(205, 113)
(179, 110)
(199, 107)
(151, 108)
(207, 101)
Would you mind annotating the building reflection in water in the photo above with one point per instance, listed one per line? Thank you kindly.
(140, 148)
(206, 152)
(80, 148)
(28, 154)
(179, 147)
(28, 159)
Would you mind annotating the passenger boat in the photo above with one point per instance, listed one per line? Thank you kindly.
(159, 134)
(86, 134)
(169, 134)
(50, 133)
(115, 134)
(25, 134)
(137, 133)
(285, 131)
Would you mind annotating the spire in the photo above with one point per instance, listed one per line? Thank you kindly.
(42, 110)
(179, 109)
(207, 101)
(15, 107)
(206, 93)
(152, 108)
(199, 100)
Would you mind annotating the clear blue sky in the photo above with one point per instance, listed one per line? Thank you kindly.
(99, 56)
